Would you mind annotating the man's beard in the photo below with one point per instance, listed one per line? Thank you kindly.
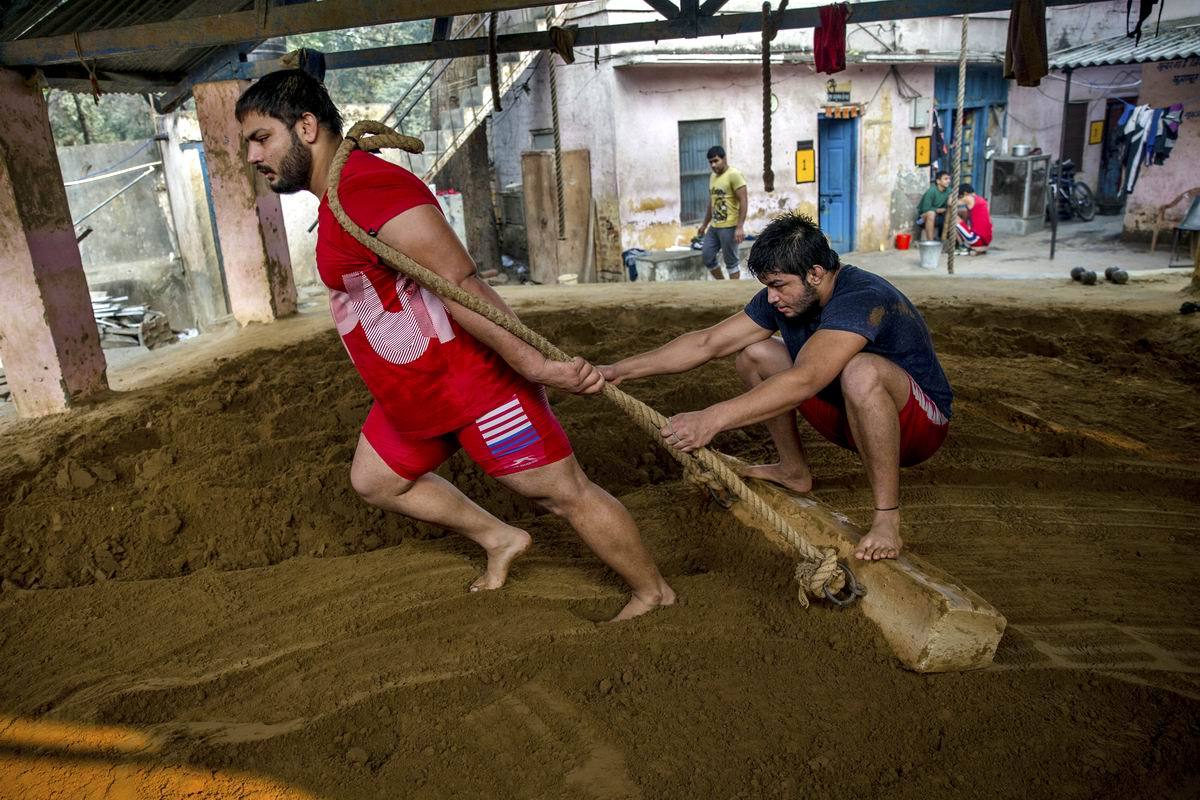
(294, 169)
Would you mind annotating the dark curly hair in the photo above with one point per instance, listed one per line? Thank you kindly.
(792, 244)
(287, 95)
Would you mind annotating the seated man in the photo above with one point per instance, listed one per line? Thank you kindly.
(977, 235)
(855, 358)
(931, 213)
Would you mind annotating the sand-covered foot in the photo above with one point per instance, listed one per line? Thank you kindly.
(502, 551)
(883, 540)
(641, 605)
(796, 480)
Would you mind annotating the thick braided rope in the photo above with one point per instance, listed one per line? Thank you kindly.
(558, 175)
(819, 569)
(958, 142)
(493, 62)
(767, 36)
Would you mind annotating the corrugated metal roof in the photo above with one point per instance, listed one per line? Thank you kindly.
(1174, 40)
(31, 19)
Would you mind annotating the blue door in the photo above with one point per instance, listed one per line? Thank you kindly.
(837, 177)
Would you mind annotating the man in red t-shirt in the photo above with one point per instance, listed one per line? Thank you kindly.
(442, 377)
(977, 235)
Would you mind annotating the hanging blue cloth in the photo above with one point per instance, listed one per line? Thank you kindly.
(1129, 107)
(1152, 134)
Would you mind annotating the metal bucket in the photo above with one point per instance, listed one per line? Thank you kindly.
(931, 250)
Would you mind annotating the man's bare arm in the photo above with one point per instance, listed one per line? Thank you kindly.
(690, 350)
(742, 195)
(422, 234)
(819, 362)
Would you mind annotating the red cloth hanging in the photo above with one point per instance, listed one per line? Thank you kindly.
(829, 40)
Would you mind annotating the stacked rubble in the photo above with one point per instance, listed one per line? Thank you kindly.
(129, 326)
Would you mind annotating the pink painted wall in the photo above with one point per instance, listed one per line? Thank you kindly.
(48, 337)
(250, 224)
(1035, 113)
(1164, 83)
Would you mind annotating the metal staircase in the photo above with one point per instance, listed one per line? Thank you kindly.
(475, 100)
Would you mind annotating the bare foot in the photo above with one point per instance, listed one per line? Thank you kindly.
(637, 606)
(883, 540)
(507, 545)
(796, 480)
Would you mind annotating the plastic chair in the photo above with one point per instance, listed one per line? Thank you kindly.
(1190, 225)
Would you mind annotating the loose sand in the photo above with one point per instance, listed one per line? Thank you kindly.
(195, 603)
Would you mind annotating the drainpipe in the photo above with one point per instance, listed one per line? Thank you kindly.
(1062, 146)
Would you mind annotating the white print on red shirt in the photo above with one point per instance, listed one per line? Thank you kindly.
(399, 337)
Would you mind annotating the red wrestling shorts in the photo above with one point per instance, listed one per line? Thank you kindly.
(519, 433)
(923, 428)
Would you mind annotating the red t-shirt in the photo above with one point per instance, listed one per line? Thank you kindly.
(981, 220)
(428, 374)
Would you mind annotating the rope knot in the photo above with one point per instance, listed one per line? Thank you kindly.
(705, 480)
(815, 577)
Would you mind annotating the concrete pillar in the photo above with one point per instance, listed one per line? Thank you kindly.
(258, 269)
(48, 337)
(188, 203)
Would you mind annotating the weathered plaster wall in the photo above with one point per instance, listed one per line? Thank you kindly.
(1165, 83)
(130, 251)
(189, 211)
(588, 120)
(1035, 113)
(659, 97)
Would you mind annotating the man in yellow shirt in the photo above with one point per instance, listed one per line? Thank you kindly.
(727, 215)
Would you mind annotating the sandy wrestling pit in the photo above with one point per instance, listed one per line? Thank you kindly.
(195, 603)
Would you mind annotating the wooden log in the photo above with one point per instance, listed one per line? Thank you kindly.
(931, 621)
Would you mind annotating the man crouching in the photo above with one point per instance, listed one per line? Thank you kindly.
(852, 355)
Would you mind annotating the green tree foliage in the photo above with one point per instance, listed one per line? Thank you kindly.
(119, 117)
(76, 119)
(373, 85)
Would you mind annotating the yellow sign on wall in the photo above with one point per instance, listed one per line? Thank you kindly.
(806, 162)
(1096, 133)
(922, 150)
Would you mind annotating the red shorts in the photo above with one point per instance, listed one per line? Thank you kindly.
(923, 428)
(519, 433)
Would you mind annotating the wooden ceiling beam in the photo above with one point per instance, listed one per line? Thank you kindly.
(240, 26)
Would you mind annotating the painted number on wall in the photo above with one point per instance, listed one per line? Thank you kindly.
(922, 150)
(806, 162)
(1096, 132)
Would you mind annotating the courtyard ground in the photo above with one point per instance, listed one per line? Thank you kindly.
(195, 603)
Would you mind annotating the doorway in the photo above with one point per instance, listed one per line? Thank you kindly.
(837, 180)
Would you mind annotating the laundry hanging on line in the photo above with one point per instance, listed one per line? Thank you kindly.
(940, 151)
(829, 40)
(1149, 134)
(1025, 56)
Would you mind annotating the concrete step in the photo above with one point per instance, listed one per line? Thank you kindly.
(473, 96)
(436, 141)
(419, 163)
